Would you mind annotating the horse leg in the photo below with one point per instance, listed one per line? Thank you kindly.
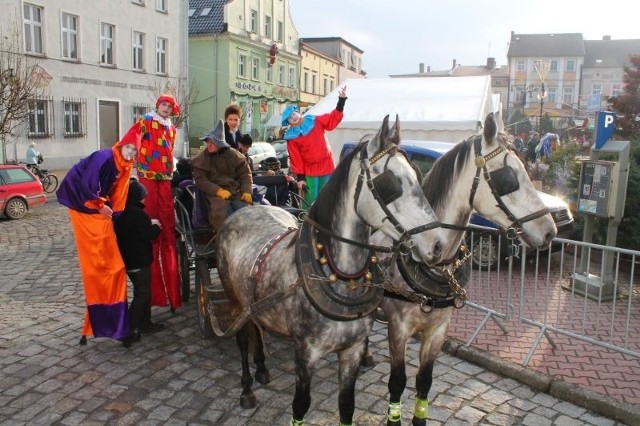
(302, 397)
(367, 359)
(262, 373)
(247, 398)
(350, 360)
(432, 342)
(398, 376)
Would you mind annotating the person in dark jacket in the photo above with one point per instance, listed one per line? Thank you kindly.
(135, 232)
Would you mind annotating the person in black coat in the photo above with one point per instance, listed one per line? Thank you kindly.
(135, 232)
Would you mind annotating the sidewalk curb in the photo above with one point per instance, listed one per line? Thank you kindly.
(601, 404)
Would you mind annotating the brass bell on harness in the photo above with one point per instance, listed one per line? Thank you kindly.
(368, 276)
(319, 246)
(332, 278)
(374, 259)
(323, 260)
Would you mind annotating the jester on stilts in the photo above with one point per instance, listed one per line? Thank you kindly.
(155, 169)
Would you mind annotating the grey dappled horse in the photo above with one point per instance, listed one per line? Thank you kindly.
(480, 173)
(259, 247)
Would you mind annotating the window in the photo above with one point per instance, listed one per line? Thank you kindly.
(255, 68)
(552, 94)
(596, 89)
(33, 29)
(571, 65)
(520, 65)
(332, 84)
(423, 162)
(280, 32)
(161, 55)
(192, 12)
(242, 65)
(567, 95)
(616, 89)
(267, 26)
(281, 72)
(305, 81)
(553, 66)
(269, 77)
(205, 11)
(292, 78)
(107, 36)
(325, 86)
(40, 118)
(139, 110)
(314, 78)
(69, 36)
(254, 21)
(138, 51)
(161, 5)
(74, 117)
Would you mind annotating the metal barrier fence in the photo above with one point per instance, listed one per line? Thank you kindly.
(577, 290)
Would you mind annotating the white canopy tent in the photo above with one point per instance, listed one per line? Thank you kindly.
(447, 109)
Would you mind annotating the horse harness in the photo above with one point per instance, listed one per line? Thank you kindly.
(365, 288)
(502, 181)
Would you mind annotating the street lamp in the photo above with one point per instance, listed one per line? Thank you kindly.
(542, 68)
(541, 95)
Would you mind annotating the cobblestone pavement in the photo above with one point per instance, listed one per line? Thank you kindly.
(177, 377)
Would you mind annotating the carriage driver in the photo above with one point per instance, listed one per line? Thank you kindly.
(224, 176)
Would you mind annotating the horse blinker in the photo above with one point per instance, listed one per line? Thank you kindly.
(387, 186)
(505, 180)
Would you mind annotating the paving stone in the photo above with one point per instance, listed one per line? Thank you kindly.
(178, 378)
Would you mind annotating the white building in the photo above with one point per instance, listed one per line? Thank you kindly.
(105, 63)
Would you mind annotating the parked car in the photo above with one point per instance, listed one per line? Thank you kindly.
(485, 250)
(20, 190)
(260, 151)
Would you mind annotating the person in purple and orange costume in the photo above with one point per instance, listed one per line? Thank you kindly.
(155, 170)
(310, 155)
(95, 191)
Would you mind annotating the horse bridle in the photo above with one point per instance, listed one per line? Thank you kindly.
(386, 188)
(502, 181)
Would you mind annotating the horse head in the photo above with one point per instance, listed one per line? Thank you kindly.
(391, 199)
(503, 192)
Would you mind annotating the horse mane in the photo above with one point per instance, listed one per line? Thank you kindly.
(438, 182)
(322, 210)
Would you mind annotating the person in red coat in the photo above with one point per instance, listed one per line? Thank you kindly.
(310, 157)
(155, 170)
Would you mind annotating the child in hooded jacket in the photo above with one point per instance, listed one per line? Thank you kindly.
(135, 232)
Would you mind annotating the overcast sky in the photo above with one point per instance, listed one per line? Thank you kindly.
(396, 36)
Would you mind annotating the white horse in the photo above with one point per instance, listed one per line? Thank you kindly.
(312, 283)
(481, 173)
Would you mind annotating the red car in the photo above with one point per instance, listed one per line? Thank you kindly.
(20, 190)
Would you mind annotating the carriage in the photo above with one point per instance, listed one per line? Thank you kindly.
(195, 242)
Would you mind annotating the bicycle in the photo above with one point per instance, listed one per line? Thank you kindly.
(49, 180)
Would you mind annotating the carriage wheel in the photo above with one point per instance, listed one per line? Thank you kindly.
(203, 281)
(183, 270)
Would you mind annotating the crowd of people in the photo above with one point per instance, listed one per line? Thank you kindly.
(124, 223)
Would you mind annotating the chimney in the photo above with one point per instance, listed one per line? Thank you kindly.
(454, 64)
(491, 63)
(421, 68)
(606, 37)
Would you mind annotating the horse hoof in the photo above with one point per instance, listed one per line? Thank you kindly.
(367, 361)
(263, 378)
(173, 310)
(83, 341)
(248, 401)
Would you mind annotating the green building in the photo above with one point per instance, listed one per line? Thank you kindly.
(244, 52)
